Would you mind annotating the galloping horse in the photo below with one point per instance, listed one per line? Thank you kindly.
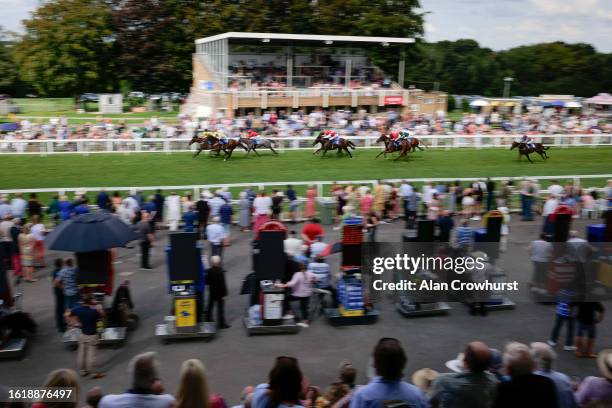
(208, 142)
(228, 147)
(343, 144)
(525, 150)
(390, 147)
(252, 146)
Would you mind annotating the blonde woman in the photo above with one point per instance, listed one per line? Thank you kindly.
(62, 378)
(26, 249)
(193, 389)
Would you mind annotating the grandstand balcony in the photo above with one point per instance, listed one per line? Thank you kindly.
(236, 72)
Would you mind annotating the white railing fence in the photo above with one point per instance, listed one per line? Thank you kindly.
(170, 145)
(321, 186)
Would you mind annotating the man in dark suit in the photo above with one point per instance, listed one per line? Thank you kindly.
(217, 291)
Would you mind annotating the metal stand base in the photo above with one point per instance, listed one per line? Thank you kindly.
(288, 327)
(110, 337)
(205, 330)
(505, 304)
(13, 349)
(425, 309)
(336, 319)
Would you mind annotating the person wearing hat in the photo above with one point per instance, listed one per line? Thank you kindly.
(594, 390)
(473, 387)
(424, 378)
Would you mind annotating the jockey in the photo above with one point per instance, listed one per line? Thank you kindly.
(395, 138)
(254, 136)
(405, 134)
(528, 141)
(332, 136)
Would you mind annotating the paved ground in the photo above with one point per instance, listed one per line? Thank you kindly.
(234, 360)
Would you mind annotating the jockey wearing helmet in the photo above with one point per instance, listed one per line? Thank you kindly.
(332, 136)
(405, 134)
(254, 136)
(528, 141)
(395, 138)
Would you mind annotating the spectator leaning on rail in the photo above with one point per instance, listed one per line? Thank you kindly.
(473, 388)
(389, 363)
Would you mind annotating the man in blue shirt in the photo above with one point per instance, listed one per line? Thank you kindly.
(215, 233)
(225, 213)
(66, 279)
(545, 356)
(387, 387)
(189, 219)
(87, 316)
(464, 236)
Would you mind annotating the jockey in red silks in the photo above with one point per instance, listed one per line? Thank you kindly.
(394, 138)
(332, 136)
(253, 135)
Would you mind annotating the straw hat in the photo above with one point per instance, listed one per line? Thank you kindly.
(604, 362)
(456, 365)
(424, 377)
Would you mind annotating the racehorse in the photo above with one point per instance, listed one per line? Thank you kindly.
(525, 150)
(252, 146)
(228, 147)
(343, 144)
(403, 147)
(208, 142)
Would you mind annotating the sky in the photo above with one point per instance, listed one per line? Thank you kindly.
(497, 24)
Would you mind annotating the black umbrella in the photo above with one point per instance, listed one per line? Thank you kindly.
(90, 232)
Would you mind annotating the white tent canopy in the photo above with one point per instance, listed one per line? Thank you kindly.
(479, 103)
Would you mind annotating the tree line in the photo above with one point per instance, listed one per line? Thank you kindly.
(70, 47)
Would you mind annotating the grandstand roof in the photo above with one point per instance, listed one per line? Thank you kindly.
(305, 37)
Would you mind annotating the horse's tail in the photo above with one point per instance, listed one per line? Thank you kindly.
(546, 147)
(350, 144)
(422, 142)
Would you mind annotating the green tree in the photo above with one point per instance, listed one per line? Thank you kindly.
(68, 48)
(8, 68)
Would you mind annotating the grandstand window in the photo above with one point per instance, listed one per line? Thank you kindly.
(429, 101)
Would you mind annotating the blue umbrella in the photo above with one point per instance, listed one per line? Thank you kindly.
(90, 232)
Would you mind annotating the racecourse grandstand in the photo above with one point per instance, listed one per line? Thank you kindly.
(236, 73)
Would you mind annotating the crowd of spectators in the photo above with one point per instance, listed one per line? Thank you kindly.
(301, 123)
(521, 375)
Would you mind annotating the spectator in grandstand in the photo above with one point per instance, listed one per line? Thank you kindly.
(293, 203)
(262, 208)
(26, 251)
(62, 379)
(597, 391)
(34, 207)
(103, 200)
(445, 226)
(86, 316)
(189, 219)
(67, 281)
(524, 387)
(217, 288)
(310, 210)
(147, 238)
(464, 237)
(244, 218)
(284, 386)
(215, 234)
(545, 358)
(58, 295)
(389, 363)
(193, 388)
(588, 315)
(146, 388)
(541, 252)
(301, 290)
(174, 211)
(474, 387)
(18, 206)
(38, 231)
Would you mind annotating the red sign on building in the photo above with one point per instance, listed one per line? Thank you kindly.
(393, 100)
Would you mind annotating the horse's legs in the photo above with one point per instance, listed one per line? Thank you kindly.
(378, 155)
(228, 154)
(528, 158)
(349, 153)
(317, 151)
(197, 153)
(273, 151)
(255, 151)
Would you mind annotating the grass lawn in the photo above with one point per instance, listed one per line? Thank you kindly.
(152, 169)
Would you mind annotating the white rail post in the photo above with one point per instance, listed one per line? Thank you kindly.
(319, 189)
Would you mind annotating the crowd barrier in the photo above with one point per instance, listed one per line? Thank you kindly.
(170, 145)
(322, 187)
